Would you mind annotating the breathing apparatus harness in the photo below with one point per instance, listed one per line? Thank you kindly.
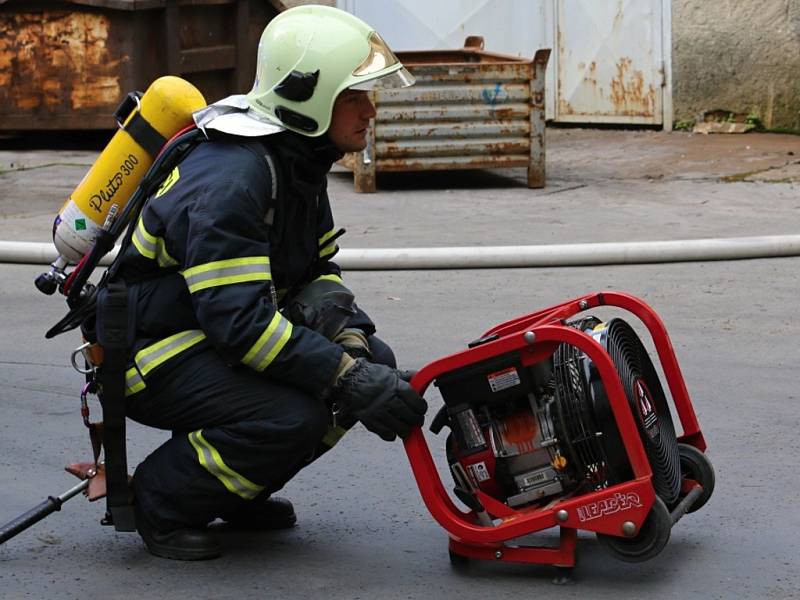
(105, 347)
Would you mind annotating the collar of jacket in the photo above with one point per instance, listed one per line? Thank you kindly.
(314, 156)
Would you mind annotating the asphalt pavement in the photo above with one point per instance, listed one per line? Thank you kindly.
(363, 531)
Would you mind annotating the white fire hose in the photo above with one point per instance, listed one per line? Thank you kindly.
(481, 257)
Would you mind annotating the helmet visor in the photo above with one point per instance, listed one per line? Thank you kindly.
(399, 79)
(378, 58)
(373, 69)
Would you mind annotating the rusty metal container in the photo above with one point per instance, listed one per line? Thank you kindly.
(470, 109)
(67, 64)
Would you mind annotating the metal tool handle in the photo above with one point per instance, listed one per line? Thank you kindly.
(39, 512)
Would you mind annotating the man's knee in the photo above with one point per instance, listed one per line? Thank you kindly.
(305, 425)
(287, 418)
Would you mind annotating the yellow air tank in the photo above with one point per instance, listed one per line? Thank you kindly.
(164, 109)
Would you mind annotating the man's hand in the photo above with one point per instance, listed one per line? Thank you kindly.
(377, 396)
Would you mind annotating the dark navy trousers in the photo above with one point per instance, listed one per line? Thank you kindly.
(236, 437)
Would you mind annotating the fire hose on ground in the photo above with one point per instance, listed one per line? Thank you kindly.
(478, 257)
(468, 258)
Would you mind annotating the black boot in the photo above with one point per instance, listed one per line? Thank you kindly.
(178, 544)
(266, 514)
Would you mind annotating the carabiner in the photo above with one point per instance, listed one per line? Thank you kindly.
(89, 388)
(82, 351)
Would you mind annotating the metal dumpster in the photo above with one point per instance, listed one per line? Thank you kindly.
(67, 64)
(469, 109)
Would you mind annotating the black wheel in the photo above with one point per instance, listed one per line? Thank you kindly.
(563, 576)
(695, 465)
(651, 539)
(457, 561)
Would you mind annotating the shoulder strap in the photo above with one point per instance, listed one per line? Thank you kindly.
(112, 335)
(269, 156)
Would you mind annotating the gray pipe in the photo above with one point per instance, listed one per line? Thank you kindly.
(483, 257)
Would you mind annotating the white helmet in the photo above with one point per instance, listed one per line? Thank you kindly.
(306, 57)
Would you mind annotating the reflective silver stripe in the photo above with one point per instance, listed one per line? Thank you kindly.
(226, 272)
(162, 256)
(145, 242)
(269, 344)
(133, 381)
(150, 246)
(210, 458)
(153, 355)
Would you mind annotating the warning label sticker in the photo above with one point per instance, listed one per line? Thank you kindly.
(478, 471)
(502, 380)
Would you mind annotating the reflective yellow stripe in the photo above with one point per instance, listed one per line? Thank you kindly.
(331, 248)
(150, 246)
(133, 382)
(327, 236)
(162, 256)
(209, 457)
(226, 272)
(145, 242)
(267, 346)
(331, 277)
(153, 355)
(171, 180)
(150, 357)
(333, 435)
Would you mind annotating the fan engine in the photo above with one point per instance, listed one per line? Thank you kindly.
(529, 434)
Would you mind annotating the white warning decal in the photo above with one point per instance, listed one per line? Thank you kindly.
(479, 471)
(502, 380)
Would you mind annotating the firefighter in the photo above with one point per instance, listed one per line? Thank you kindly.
(247, 345)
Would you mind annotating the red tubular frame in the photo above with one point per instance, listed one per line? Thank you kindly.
(602, 511)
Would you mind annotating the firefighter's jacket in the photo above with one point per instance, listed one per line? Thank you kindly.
(237, 226)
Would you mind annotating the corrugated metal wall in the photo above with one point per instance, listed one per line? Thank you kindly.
(468, 109)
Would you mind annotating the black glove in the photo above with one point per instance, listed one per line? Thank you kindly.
(377, 396)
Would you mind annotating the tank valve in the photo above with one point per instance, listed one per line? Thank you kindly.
(48, 283)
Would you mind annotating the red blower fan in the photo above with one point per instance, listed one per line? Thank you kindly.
(561, 421)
